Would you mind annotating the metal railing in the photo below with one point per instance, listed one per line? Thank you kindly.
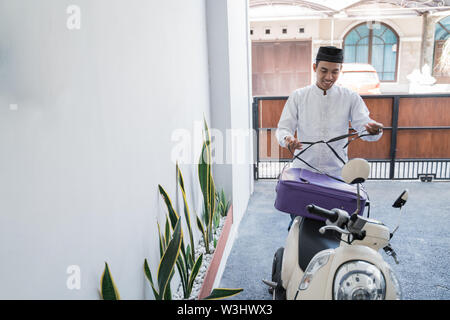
(381, 169)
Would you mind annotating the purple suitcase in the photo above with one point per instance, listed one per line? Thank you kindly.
(298, 188)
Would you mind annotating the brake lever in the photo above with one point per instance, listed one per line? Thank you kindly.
(335, 228)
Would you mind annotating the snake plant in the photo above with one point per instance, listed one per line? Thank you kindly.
(207, 187)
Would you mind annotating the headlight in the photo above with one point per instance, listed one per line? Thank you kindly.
(359, 280)
(317, 262)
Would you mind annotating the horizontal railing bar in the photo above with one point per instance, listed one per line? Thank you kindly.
(435, 168)
(390, 128)
(378, 96)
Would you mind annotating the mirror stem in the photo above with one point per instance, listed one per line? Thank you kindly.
(358, 200)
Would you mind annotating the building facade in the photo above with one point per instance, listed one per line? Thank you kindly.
(397, 40)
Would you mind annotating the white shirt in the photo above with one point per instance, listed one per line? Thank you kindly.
(316, 117)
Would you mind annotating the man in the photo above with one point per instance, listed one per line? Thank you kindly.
(322, 111)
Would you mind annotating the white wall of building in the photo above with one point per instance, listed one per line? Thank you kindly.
(229, 45)
(87, 119)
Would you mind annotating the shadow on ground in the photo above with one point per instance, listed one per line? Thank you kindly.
(422, 243)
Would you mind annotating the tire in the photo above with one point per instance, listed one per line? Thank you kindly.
(279, 293)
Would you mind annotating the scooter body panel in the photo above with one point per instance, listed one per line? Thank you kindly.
(321, 286)
(316, 289)
(377, 235)
(290, 267)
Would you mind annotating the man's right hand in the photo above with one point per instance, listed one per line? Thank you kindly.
(292, 143)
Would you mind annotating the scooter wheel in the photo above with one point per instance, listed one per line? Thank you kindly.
(279, 293)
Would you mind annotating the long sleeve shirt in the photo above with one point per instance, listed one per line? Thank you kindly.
(316, 117)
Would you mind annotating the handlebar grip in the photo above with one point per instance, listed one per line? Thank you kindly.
(324, 213)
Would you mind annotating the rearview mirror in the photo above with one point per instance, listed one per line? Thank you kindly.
(356, 171)
(401, 200)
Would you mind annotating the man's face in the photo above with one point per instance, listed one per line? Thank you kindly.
(327, 73)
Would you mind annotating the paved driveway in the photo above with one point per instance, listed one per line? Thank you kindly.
(422, 242)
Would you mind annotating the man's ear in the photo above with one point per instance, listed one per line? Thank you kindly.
(314, 67)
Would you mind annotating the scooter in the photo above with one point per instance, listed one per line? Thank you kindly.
(346, 263)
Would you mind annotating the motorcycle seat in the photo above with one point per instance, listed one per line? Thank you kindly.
(311, 241)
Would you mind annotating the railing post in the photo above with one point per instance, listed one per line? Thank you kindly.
(393, 151)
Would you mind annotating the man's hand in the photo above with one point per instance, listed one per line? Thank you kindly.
(292, 143)
(374, 127)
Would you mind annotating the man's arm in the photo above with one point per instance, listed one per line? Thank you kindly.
(361, 121)
(288, 124)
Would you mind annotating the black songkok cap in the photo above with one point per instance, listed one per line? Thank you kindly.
(331, 54)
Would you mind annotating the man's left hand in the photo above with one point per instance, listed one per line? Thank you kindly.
(374, 127)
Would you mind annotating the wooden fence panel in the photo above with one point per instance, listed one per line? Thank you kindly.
(417, 130)
(424, 112)
(423, 144)
(269, 113)
(377, 150)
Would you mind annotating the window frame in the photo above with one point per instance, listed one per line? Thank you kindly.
(369, 45)
(440, 77)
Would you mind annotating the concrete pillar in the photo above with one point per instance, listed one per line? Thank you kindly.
(427, 49)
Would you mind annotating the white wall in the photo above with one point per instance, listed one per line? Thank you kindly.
(240, 105)
(90, 139)
(310, 27)
(231, 115)
(219, 73)
(228, 45)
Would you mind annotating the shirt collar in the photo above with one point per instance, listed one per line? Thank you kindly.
(319, 91)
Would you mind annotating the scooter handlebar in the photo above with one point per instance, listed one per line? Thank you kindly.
(324, 213)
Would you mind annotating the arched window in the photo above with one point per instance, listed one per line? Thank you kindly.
(441, 43)
(374, 43)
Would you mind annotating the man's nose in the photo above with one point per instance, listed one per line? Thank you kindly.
(329, 76)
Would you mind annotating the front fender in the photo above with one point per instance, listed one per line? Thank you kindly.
(347, 253)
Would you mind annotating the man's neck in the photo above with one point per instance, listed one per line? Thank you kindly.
(324, 91)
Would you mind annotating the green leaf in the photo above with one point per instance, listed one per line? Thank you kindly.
(201, 228)
(183, 272)
(148, 274)
(169, 259)
(161, 241)
(168, 292)
(203, 175)
(221, 293)
(167, 234)
(180, 177)
(190, 258)
(108, 288)
(194, 273)
(186, 213)
(173, 215)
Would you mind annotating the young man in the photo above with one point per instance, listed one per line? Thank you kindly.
(322, 111)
